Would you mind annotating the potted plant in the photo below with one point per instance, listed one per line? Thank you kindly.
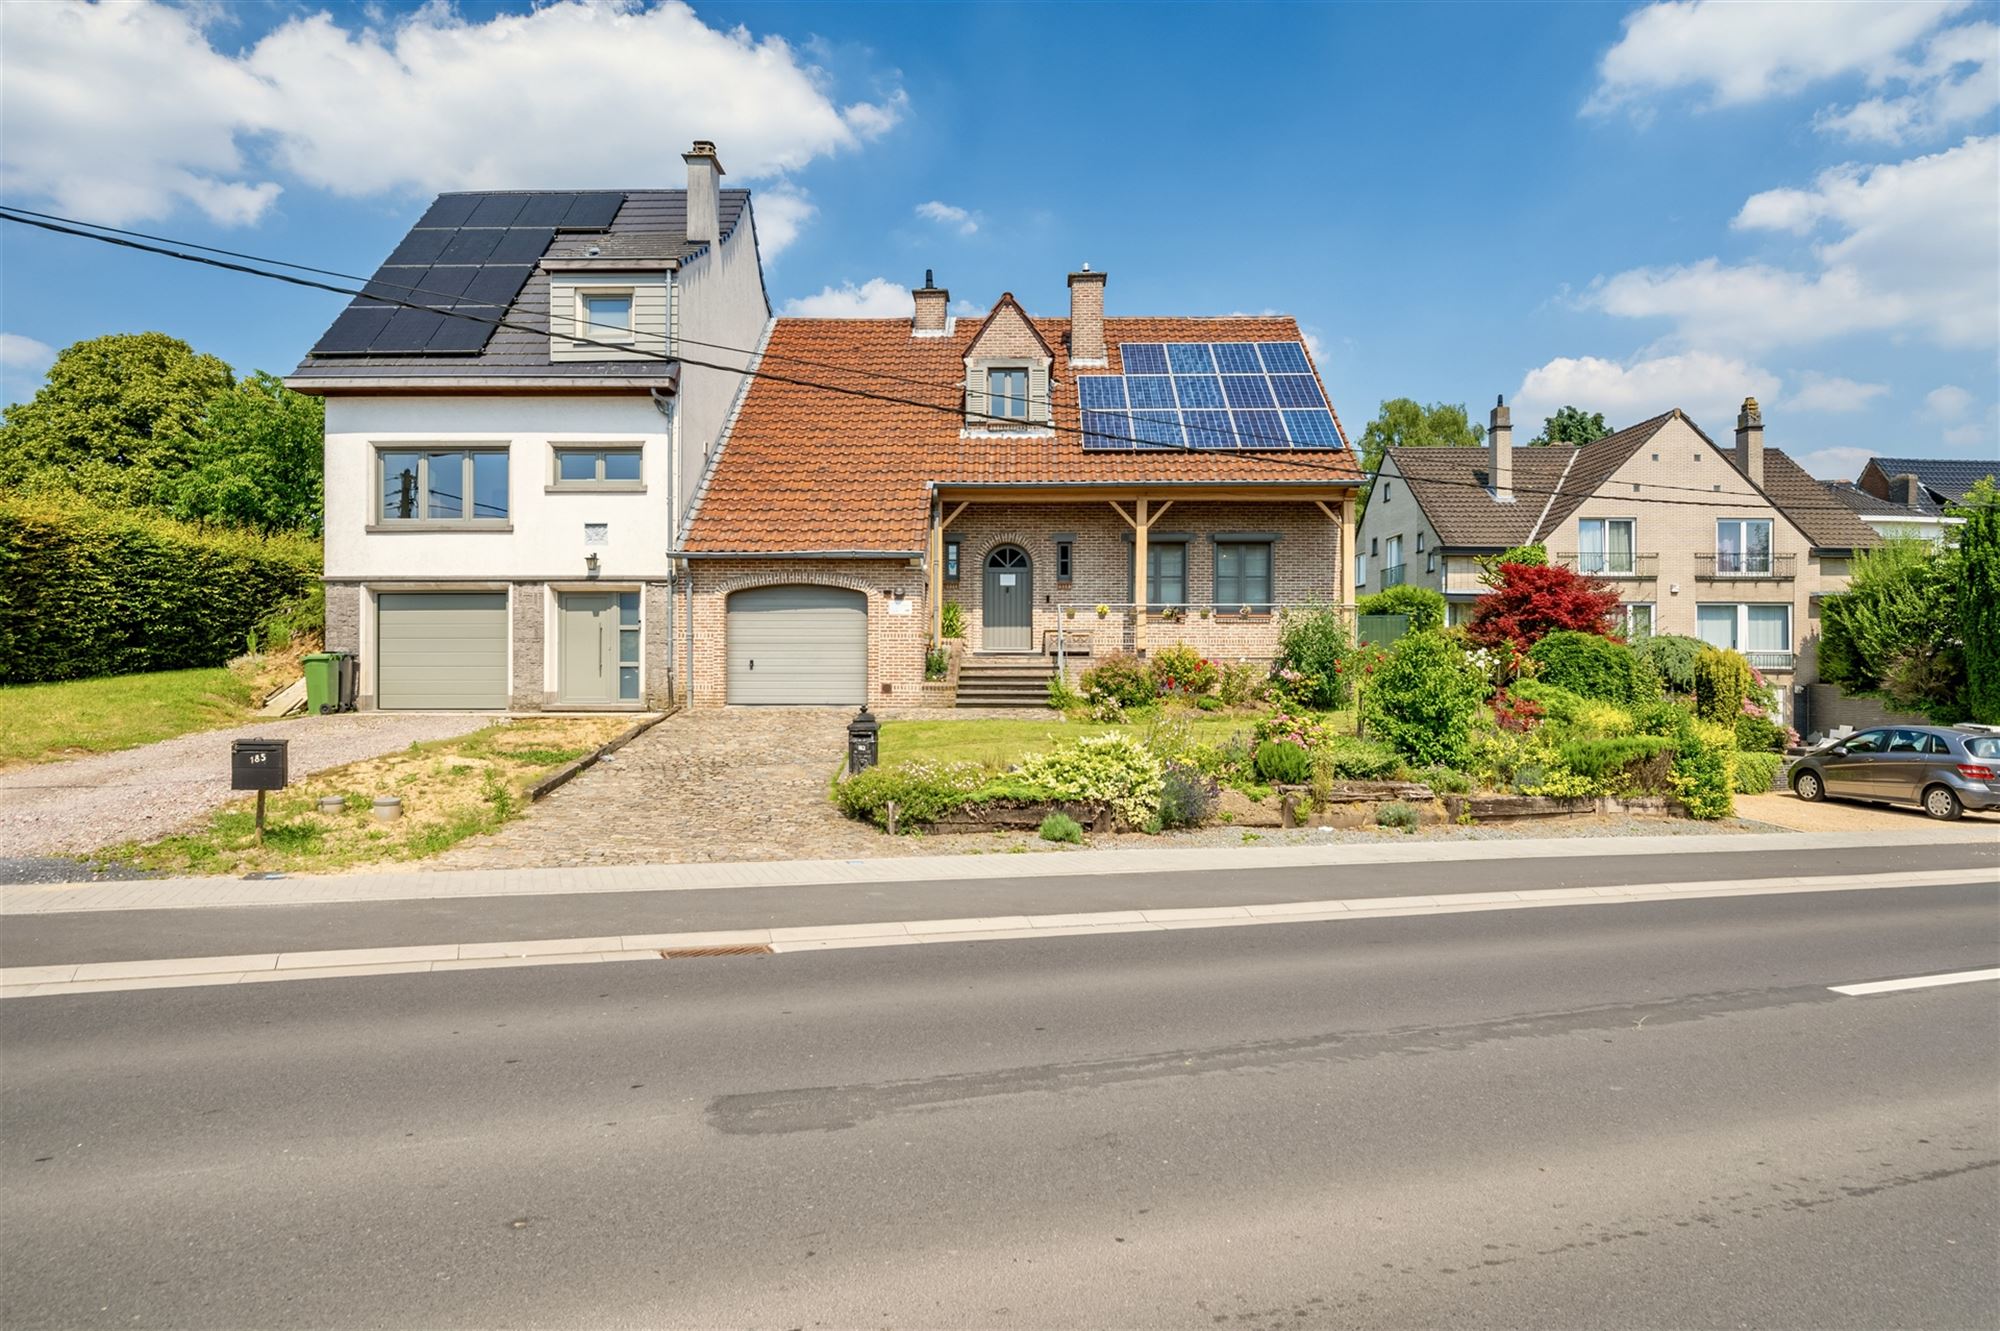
(1069, 612)
(1103, 611)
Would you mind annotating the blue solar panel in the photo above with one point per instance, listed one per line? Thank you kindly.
(1144, 358)
(1107, 429)
(1238, 358)
(1312, 429)
(1251, 395)
(1158, 429)
(1260, 429)
(1199, 390)
(1105, 391)
(1209, 429)
(1285, 358)
(1245, 390)
(1296, 390)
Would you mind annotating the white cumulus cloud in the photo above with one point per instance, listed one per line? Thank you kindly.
(877, 298)
(1901, 247)
(122, 112)
(949, 215)
(1822, 392)
(1838, 463)
(1947, 402)
(1707, 386)
(25, 353)
(1956, 81)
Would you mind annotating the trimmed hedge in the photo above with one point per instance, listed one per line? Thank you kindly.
(1591, 666)
(86, 592)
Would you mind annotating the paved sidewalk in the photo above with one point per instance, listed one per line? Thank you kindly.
(174, 893)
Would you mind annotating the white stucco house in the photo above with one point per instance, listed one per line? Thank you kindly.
(520, 408)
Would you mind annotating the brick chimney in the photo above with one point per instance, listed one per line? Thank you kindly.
(704, 205)
(1907, 490)
(1086, 318)
(1500, 451)
(932, 301)
(1750, 442)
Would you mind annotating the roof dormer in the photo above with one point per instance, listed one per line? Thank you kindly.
(1007, 373)
(605, 312)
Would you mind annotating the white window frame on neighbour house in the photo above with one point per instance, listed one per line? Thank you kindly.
(427, 457)
(1597, 551)
(1629, 617)
(601, 456)
(1361, 568)
(589, 328)
(1766, 658)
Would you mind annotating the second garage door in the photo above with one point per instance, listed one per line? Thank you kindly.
(441, 651)
(799, 645)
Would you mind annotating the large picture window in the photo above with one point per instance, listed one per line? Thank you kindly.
(1743, 545)
(454, 486)
(1604, 545)
(1243, 575)
(1761, 631)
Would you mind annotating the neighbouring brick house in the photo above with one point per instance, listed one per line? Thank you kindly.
(1186, 475)
(1734, 546)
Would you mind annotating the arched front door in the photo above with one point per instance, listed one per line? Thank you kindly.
(1008, 614)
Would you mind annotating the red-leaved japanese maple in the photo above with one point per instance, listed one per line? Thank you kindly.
(1531, 600)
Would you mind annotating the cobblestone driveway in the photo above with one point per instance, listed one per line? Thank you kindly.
(734, 784)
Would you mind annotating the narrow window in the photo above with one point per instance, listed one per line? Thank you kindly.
(1638, 621)
(1243, 575)
(1166, 575)
(1420, 542)
(951, 561)
(1431, 562)
(1063, 558)
(628, 646)
(1361, 569)
(1007, 394)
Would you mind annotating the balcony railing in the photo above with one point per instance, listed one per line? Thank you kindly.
(1392, 576)
(1730, 564)
(1604, 564)
(1770, 660)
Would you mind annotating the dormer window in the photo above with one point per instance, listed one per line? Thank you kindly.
(606, 315)
(1007, 393)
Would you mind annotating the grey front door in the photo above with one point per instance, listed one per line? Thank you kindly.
(588, 645)
(1008, 614)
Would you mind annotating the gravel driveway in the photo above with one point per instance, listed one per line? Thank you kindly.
(82, 804)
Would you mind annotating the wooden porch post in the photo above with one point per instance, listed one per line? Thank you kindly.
(1139, 589)
(936, 561)
(1347, 551)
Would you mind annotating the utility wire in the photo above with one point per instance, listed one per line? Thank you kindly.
(130, 240)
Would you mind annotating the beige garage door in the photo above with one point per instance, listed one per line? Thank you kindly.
(800, 645)
(443, 651)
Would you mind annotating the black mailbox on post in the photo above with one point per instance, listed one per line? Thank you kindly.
(862, 750)
(257, 764)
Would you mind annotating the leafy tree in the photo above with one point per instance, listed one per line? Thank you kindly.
(1979, 599)
(1423, 605)
(1530, 601)
(257, 459)
(1490, 565)
(1425, 698)
(115, 421)
(1895, 630)
(1405, 423)
(1571, 426)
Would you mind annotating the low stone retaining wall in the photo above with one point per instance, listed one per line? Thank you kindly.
(1517, 808)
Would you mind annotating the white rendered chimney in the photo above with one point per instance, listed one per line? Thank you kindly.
(1500, 451)
(704, 203)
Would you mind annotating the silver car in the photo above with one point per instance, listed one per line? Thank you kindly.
(1944, 770)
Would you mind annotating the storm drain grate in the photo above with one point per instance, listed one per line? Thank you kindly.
(739, 950)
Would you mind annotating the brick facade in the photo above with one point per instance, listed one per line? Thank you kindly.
(896, 642)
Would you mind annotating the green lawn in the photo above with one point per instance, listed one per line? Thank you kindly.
(1003, 741)
(43, 722)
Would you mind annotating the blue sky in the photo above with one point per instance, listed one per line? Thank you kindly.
(1628, 208)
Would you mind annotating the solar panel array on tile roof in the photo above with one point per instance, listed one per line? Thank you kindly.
(470, 254)
(1242, 395)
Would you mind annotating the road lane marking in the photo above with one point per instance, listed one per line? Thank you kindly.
(49, 981)
(1914, 982)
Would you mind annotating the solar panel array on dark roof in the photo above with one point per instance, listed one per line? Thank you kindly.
(465, 261)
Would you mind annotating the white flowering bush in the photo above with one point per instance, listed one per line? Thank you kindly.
(1114, 770)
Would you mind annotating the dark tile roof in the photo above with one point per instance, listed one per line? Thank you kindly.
(804, 469)
(1550, 483)
(1867, 505)
(650, 224)
(1946, 479)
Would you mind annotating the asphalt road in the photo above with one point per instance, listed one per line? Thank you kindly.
(1648, 1115)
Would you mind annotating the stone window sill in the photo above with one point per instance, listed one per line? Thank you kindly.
(595, 488)
(421, 525)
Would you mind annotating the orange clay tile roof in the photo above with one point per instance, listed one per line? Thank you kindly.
(808, 469)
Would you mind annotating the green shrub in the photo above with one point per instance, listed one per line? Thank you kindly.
(1588, 665)
(1187, 797)
(952, 614)
(296, 620)
(1704, 770)
(1425, 697)
(1182, 669)
(1059, 826)
(1490, 565)
(1424, 606)
(922, 792)
(1062, 697)
(86, 591)
(1629, 764)
(1121, 678)
(1396, 814)
(1284, 763)
(1759, 734)
(1352, 759)
(1572, 712)
(1721, 682)
(1757, 771)
(1314, 643)
(1240, 683)
(937, 664)
(1112, 770)
(1673, 656)
(1445, 780)
(1208, 702)
(1663, 717)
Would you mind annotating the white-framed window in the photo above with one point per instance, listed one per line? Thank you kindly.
(1431, 562)
(604, 314)
(598, 467)
(1604, 545)
(1242, 575)
(1743, 545)
(1361, 569)
(1637, 618)
(1392, 562)
(1007, 392)
(1420, 542)
(1755, 628)
(449, 486)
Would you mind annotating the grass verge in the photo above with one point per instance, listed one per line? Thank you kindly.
(451, 789)
(45, 722)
